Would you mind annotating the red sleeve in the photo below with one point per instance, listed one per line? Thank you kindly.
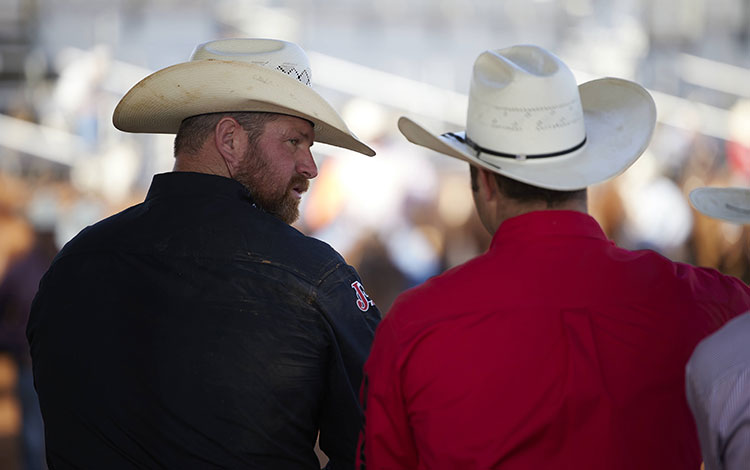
(386, 441)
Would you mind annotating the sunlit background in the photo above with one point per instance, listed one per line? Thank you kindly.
(406, 214)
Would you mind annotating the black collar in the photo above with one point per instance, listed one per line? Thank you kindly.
(182, 183)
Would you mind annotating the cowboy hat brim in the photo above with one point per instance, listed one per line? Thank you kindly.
(161, 101)
(619, 117)
(730, 204)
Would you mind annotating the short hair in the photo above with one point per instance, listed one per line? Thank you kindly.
(526, 193)
(195, 130)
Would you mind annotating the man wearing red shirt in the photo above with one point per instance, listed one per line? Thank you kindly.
(556, 348)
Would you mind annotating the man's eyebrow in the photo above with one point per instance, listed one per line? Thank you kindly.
(305, 135)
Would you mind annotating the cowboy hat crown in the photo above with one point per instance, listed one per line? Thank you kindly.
(234, 75)
(525, 88)
(528, 120)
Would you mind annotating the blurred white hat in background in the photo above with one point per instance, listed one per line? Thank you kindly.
(730, 204)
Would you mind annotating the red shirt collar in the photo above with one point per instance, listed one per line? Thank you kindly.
(548, 223)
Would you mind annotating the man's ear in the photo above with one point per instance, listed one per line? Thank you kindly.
(231, 142)
(487, 184)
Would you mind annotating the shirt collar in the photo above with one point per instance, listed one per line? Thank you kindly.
(548, 223)
(182, 183)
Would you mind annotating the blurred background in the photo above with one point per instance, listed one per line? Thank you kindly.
(400, 217)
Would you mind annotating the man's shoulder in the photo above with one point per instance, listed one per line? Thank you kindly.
(249, 229)
(273, 243)
(719, 363)
(651, 269)
(101, 233)
(446, 291)
(727, 346)
(710, 282)
(302, 247)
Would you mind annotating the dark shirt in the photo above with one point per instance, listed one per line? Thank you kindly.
(196, 331)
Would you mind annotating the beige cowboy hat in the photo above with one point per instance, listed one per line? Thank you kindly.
(528, 120)
(731, 204)
(234, 75)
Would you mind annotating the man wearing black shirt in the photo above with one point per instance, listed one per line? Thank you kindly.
(198, 329)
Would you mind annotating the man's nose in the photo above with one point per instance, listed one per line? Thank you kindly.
(306, 166)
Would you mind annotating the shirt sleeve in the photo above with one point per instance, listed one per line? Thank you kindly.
(736, 453)
(386, 441)
(718, 392)
(352, 317)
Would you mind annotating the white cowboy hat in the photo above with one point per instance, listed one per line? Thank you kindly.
(732, 204)
(232, 75)
(528, 120)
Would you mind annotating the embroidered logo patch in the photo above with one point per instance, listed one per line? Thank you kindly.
(363, 302)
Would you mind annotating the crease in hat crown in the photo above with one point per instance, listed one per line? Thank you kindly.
(282, 56)
(522, 91)
(234, 75)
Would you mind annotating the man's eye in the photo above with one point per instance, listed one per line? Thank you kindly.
(294, 141)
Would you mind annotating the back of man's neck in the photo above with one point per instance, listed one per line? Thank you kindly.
(510, 211)
(200, 164)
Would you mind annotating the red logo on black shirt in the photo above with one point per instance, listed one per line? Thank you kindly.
(363, 302)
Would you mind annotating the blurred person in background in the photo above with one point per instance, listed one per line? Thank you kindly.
(717, 376)
(555, 348)
(374, 263)
(17, 289)
(714, 242)
(199, 329)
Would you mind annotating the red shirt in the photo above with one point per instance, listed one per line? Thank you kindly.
(555, 349)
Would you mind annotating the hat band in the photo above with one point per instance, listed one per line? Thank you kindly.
(732, 207)
(479, 149)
